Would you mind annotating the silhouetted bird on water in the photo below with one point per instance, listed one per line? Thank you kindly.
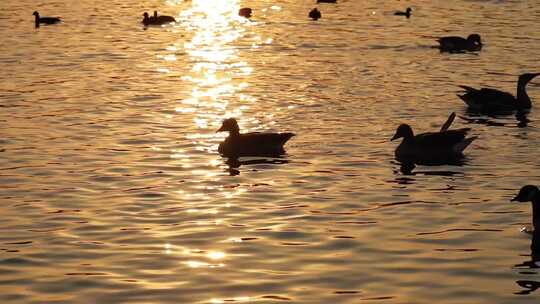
(433, 147)
(406, 13)
(315, 14)
(250, 144)
(530, 193)
(455, 44)
(45, 20)
(245, 12)
(326, 1)
(492, 100)
(157, 20)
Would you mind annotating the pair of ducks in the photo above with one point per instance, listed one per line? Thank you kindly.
(448, 145)
(44, 20)
(156, 20)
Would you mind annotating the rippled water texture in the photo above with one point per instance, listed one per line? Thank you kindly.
(112, 190)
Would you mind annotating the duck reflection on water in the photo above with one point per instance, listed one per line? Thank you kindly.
(234, 163)
(491, 120)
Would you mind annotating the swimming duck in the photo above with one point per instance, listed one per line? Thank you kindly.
(156, 20)
(492, 100)
(315, 14)
(45, 20)
(326, 1)
(245, 12)
(406, 13)
(250, 144)
(455, 44)
(432, 147)
(530, 193)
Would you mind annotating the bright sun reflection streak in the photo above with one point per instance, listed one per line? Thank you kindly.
(215, 26)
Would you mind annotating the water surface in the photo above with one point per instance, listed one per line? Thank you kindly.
(113, 191)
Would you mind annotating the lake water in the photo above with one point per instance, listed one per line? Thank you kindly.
(112, 190)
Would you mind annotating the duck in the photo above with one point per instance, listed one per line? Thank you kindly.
(326, 1)
(45, 20)
(245, 12)
(530, 193)
(455, 44)
(250, 144)
(445, 146)
(406, 13)
(492, 100)
(315, 14)
(156, 20)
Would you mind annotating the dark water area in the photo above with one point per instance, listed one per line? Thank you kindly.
(112, 190)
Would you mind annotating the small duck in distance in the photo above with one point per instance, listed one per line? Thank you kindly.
(406, 13)
(45, 20)
(455, 44)
(250, 144)
(492, 100)
(444, 146)
(530, 193)
(156, 20)
(315, 14)
(326, 1)
(245, 12)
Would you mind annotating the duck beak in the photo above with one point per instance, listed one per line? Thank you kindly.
(536, 74)
(514, 199)
(220, 130)
(396, 136)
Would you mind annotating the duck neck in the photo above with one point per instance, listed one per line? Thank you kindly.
(37, 20)
(523, 99)
(536, 213)
(234, 133)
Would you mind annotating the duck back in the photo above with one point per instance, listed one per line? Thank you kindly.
(254, 144)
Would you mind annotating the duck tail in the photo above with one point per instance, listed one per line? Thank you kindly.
(448, 122)
(460, 147)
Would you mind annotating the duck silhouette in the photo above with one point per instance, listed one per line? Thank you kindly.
(45, 20)
(315, 14)
(530, 193)
(250, 144)
(492, 100)
(245, 12)
(326, 1)
(406, 13)
(444, 146)
(156, 20)
(456, 44)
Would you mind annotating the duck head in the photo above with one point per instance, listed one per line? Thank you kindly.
(36, 14)
(475, 39)
(404, 130)
(526, 194)
(525, 78)
(229, 125)
(408, 10)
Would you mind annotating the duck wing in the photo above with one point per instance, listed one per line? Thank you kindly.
(488, 99)
(266, 139)
(254, 144)
(447, 138)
